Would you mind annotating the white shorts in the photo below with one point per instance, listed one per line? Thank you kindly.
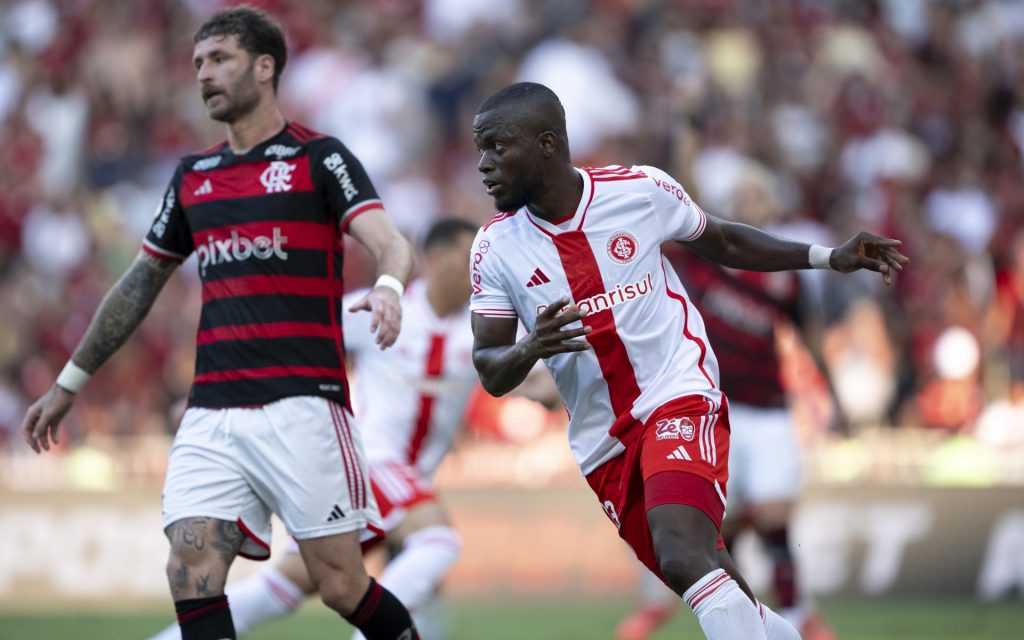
(764, 458)
(297, 457)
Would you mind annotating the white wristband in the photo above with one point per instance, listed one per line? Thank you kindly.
(73, 377)
(820, 257)
(391, 282)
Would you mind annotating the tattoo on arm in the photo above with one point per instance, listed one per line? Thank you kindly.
(121, 311)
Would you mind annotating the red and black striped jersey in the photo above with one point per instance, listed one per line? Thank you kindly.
(265, 227)
(741, 310)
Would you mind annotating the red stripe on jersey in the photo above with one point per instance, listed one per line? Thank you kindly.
(266, 330)
(499, 218)
(584, 275)
(435, 366)
(270, 285)
(163, 254)
(303, 133)
(614, 178)
(686, 327)
(358, 211)
(339, 286)
(246, 180)
(270, 372)
(296, 235)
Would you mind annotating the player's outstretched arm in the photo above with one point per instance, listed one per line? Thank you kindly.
(741, 246)
(121, 311)
(503, 363)
(394, 259)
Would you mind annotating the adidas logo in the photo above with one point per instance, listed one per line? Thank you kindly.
(336, 514)
(678, 454)
(204, 188)
(538, 278)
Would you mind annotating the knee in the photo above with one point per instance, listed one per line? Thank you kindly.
(343, 592)
(682, 566)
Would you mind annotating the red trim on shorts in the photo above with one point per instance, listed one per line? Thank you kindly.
(585, 281)
(252, 536)
(434, 368)
(681, 487)
(348, 460)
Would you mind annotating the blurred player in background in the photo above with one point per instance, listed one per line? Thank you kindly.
(743, 311)
(576, 256)
(410, 402)
(267, 428)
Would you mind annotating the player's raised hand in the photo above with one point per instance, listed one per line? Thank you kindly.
(43, 418)
(548, 338)
(386, 309)
(868, 251)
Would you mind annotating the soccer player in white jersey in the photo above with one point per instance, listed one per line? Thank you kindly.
(576, 256)
(409, 405)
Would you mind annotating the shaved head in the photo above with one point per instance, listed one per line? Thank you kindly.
(529, 108)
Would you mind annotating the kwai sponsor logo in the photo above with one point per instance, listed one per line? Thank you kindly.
(337, 166)
(163, 213)
(240, 248)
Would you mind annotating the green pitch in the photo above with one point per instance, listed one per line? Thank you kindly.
(567, 620)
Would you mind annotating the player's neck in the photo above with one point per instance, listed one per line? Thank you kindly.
(263, 123)
(561, 195)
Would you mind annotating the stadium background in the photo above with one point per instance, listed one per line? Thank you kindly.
(818, 117)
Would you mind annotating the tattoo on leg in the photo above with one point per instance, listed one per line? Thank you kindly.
(188, 533)
(179, 583)
(227, 540)
(203, 586)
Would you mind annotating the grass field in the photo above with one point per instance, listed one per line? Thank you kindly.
(523, 620)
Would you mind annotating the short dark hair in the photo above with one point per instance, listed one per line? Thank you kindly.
(530, 94)
(445, 231)
(257, 33)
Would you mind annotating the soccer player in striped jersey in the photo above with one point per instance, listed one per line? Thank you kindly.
(268, 424)
(410, 401)
(649, 423)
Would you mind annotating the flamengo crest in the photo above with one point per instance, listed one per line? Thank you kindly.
(278, 176)
(622, 247)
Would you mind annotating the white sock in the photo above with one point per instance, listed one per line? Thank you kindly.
(253, 601)
(432, 619)
(414, 574)
(775, 626)
(261, 598)
(723, 610)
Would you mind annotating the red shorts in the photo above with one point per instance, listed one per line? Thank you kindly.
(679, 456)
(398, 487)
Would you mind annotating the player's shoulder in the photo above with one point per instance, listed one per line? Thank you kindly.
(499, 227)
(204, 159)
(615, 173)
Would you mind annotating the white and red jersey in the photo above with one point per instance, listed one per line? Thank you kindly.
(410, 398)
(649, 343)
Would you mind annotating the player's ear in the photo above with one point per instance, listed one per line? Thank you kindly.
(548, 143)
(264, 67)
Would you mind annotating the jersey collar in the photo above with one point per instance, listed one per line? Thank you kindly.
(581, 209)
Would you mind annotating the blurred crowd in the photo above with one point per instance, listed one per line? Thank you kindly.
(812, 117)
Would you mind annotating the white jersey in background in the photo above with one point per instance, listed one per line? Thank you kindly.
(649, 343)
(409, 400)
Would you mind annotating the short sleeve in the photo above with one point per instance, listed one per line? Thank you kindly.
(169, 235)
(339, 175)
(356, 324)
(679, 217)
(490, 296)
